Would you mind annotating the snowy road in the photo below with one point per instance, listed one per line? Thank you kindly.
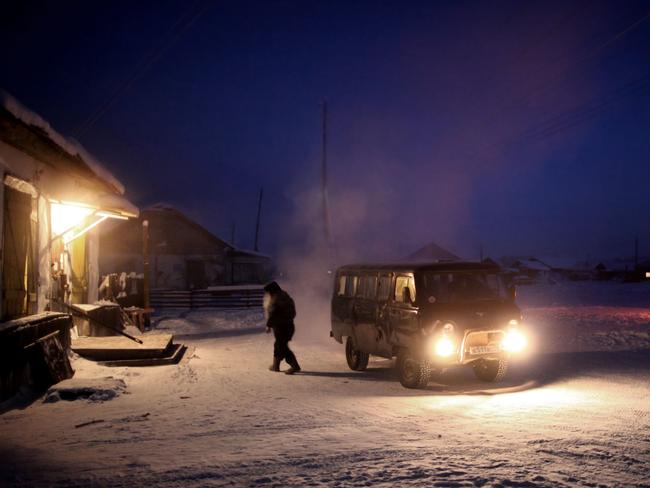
(220, 418)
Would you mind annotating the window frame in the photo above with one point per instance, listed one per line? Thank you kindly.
(410, 279)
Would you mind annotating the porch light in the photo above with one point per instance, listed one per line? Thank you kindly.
(66, 217)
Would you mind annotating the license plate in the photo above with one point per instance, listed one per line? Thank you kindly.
(483, 349)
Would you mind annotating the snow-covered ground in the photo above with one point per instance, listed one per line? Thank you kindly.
(577, 413)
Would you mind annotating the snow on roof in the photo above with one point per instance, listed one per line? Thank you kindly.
(251, 253)
(72, 147)
(162, 206)
(532, 263)
(119, 204)
(560, 263)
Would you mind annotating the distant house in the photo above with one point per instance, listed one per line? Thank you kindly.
(621, 269)
(643, 269)
(532, 269)
(183, 255)
(568, 268)
(432, 252)
(491, 262)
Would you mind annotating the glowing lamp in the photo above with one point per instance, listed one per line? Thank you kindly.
(445, 347)
(514, 341)
(66, 217)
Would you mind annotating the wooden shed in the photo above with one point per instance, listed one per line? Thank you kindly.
(183, 255)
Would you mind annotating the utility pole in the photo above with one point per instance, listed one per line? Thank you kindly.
(326, 216)
(233, 229)
(636, 250)
(145, 262)
(480, 252)
(259, 213)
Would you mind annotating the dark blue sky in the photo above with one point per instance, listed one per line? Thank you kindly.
(521, 125)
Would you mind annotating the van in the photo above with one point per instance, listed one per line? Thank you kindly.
(429, 316)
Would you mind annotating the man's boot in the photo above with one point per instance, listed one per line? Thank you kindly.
(276, 365)
(295, 367)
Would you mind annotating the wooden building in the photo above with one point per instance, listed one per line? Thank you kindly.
(53, 197)
(183, 255)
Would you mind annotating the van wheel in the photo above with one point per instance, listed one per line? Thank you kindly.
(357, 360)
(413, 372)
(490, 369)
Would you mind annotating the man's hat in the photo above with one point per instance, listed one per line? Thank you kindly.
(272, 287)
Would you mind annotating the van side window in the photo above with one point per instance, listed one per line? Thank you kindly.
(402, 282)
(351, 285)
(361, 286)
(371, 287)
(384, 288)
(341, 287)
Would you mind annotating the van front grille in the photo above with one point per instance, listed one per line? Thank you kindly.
(482, 338)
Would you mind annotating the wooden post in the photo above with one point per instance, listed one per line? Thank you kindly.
(145, 261)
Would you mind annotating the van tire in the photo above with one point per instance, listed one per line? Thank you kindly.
(357, 360)
(413, 372)
(492, 370)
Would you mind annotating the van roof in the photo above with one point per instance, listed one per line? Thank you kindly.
(424, 266)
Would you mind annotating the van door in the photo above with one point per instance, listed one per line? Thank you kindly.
(403, 314)
(342, 302)
(365, 314)
(384, 295)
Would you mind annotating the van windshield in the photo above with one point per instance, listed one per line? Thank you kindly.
(462, 286)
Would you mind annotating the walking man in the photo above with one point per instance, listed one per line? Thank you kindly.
(280, 312)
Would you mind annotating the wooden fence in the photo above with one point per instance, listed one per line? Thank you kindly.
(217, 297)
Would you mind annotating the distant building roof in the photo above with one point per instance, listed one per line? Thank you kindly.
(616, 265)
(248, 252)
(169, 211)
(432, 252)
(560, 264)
(531, 263)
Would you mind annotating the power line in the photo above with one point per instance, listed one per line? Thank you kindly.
(587, 111)
(181, 25)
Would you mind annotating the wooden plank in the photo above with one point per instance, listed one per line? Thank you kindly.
(173, 356)
(119, 347)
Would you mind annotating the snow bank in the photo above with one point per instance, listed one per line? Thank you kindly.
(89, 389)
(192, 322)
(585, 293)
(72, 147)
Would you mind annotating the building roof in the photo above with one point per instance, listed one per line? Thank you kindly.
(431, 266)
(531, 263)
(248, 252)
(169, 211)
(432, 252)
(30, 134)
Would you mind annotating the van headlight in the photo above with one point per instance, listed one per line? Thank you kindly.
(514, 341)
(445, 347)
